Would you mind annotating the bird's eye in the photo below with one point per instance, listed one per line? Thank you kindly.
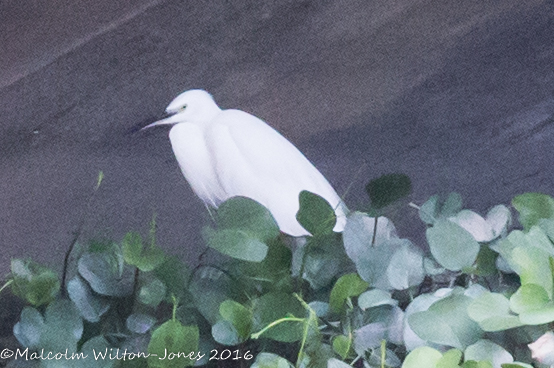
(184, 107)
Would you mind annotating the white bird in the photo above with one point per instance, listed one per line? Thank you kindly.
(227, 153)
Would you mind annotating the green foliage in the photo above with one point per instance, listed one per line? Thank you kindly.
(136, 254)
(34, 283)
(475, 297)
(315, 214)
(387, 189)
(172, 341)
(532, 207)
(451, 245)
(347, 286)
(244, 227)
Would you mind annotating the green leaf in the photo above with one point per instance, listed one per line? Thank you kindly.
(335, 363)
(140, 323)
(370, 336)
(27, 331)
(324, 260)
(237, 244)
(406, 267)
(450, 359)
(452, 246)
(547, 226)
(152, 292)
(532, 207)
(422, 357)
(486, 350)
(91, 306)
(170, 339)
(273, 306)
(529, 297)
(135, 253)
(174, 274)
(387, 189)
(374, 298)
(239, 316)
(36, 284)
(436, 208)
(270, 360)
(485, 264)
(342, 345)
(475, 364)
(90, 348)
(347, 286)
(241, 213)
(446, 322)
(106, 274)
(209, 288)
(538, 316)
(516, 365)
(316, 214)
(225, 333)
(492, 312)
(533, 266)
(63, 327)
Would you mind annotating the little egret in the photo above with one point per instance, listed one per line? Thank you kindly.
(227, 153)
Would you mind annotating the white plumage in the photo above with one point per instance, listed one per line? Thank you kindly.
(227, 153)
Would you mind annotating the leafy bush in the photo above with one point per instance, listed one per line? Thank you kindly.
(475, 296)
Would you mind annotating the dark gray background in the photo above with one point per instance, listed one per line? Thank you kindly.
(456, 94)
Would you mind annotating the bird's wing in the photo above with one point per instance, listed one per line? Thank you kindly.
(254, 160)
(196, 163)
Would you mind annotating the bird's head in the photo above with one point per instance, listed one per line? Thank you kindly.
(192, 106)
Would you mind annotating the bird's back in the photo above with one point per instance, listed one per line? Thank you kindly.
(252, 159)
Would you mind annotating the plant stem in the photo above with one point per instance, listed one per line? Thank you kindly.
(8, 283)
(275, 323)
(78, 232)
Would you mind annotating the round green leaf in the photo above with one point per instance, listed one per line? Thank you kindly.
(237, 244)
(152, 292)
(529, 297)
(539, 316)
(532, 264)
(422, 357)
(452, 246)
(63, 327)
(91, 306)
(342, 345)
(29, 328)
(145, 258)
(450, 359)
(492, 312)
(106, 275)
(170, 339)
(406, 267)
(270, 360)
(486, 350)
(225, 333)
(36, 284)
(347, 286)
(374, 298)
(387, 189)
(532, 207)
(239, 316)
(274, 306)
(446, 322)
(174, 274)
(209, 287)
(241, 213)
(316, 214)
(140, 323)
(91, 348)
